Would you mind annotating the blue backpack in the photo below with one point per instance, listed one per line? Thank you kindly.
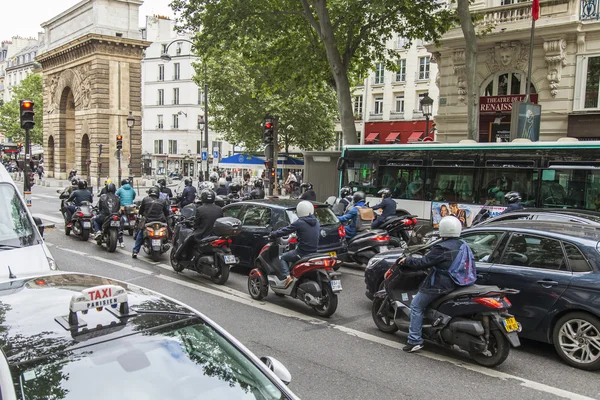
(462, 270)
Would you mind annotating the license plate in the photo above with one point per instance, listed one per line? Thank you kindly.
(229, 259)
(383, 248)
(332, 253)
(115, 223)
(336, 285)
(87, 224)
(510, 324)
(156, 242)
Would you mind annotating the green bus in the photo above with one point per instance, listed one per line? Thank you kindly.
(432, 180)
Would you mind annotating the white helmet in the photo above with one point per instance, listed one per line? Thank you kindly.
(222, 182)
(213, 177)
(304, 208)
(450, 227)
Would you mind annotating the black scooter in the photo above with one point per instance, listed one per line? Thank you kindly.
(365, 245)
(110, 232)
(81, 221)
(399, 229)
(474, 318)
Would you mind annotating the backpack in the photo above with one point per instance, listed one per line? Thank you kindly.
(462, 270)
(364, 218)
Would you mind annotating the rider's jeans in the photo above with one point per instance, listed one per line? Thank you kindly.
(417, 308)
(288, 258)
(138, 242)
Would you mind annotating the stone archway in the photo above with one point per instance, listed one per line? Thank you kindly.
(85, 156)
(66, 133)
(50, 158)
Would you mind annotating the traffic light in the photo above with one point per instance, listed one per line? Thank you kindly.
(27, 114)
(268, 132)
(119, 142)
(19, 147)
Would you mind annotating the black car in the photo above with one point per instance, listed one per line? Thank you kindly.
(260, 217)
(555, 266)
(77, 336)
(565, 215)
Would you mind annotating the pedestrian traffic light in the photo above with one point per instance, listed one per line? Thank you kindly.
(27, 114)
(119, 142)
(268, 130)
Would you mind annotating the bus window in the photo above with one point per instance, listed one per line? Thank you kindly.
(360, 175)
(404, 182)
(577, 188)
(452, 184)
(499, 181)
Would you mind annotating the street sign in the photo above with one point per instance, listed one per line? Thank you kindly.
(216, 154)
(204, 156)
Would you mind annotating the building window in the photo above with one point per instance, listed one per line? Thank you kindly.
(378, 105)
(507, 83)
(401, 42)
(399, 108)
(160, 123)
(158, 147)
(175, 95)
(198, 147)
(178, 51)
(339, 141)
(161, 97)
(164, 49)
(200, 97)
(401, 74)
(175, 121)
(379, 73)
(172, 146)
(161, 72)
(176, 71)
(424, 64)
(592, 82)
(420, 96)
(358, 105)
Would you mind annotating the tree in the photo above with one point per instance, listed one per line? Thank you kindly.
(332, 41)
(240, 94)
(468, 28)
(30, 88)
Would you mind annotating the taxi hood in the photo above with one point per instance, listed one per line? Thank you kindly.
(25, 261)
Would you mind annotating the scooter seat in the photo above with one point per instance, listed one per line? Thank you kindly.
(473, 290)
(309, 257)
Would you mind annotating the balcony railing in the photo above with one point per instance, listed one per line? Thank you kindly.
(395, 115)
(495, 16)
(589, 10)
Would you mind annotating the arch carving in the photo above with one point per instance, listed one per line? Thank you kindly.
(77, 79)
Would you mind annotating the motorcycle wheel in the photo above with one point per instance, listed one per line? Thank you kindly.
(258, 287)
(385, 323)
(223, 274)
(130, 231)
(113, 237)
(331, 302)
(498, 350)
(177, 267)
(155, 255)
(85, 234)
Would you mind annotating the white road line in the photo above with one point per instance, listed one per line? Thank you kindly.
(244, 298)
(35, 198)
(50, 218)
(45, 196)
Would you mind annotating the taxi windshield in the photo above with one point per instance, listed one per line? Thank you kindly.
(16, 229)
(185, 360)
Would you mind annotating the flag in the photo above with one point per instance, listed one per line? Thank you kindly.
(535, 10)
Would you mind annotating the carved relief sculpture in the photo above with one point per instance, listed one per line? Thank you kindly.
(458, 61)
(508, 55)
(436, 57)
(52, 96)
(556, 59)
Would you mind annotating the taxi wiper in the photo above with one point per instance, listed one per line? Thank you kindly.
(8, 246)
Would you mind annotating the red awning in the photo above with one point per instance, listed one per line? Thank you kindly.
(414, 137)
(392, 137)
(371, 137)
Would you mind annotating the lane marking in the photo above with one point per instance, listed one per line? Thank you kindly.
(244, 298)
(50, 218)
(45, 196)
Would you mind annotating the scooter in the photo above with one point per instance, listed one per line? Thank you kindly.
(81, 221)
(156, 239)
(365, 245)
(314, 280)
(474, 318)
(399, 228)
(129, 217)
(212, 256)
(110, 232)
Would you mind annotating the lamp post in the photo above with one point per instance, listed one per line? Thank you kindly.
(166, 58)
(201, 124)
(130, 124)
(426, 107)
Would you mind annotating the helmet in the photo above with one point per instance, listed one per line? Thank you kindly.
(124, 182)
(111, 188)
(188, 182)
(385, 192)
(222, 182)
(85, 185)
(228, 178)
(305, 208)
(307, 185)
(512, 197)
(358, 196)
(106, 182)
(206, 185)
(81, 185)
(345, 191)
(213, 177)
(162, 182)
(450, 227)
(234, 187)
(258, 183)
(74, 182)
(207, 196)
(153, 191)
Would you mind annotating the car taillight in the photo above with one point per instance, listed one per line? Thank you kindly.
(382, 238)
(489, 302)
(220, 242)
(341, 231)
(115, 217)
(79, 214)
(387, 274)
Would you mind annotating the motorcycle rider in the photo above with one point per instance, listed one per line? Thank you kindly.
(387, 206)
(351, 215)
(106, 182)
(514, 202)
(307, 231)
(164, 189)
(222, 189)
(258, 192)
(152, 209)
(126, 193)
(206, 215)
(346, 197)
(438, 282)
(228, 180)
(309, 193)
(72, 174)
(214, 178)
(108, 204)
(77, 197)
(66, 193)
(188, 196)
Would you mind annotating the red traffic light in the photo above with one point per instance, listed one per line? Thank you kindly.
(27, 104)
(119, 137)
(268, 125)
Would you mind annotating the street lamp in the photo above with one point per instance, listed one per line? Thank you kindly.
(426, 107)
(130, 124)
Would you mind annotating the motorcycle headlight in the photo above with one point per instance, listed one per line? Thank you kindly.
(374, 260)
(52, 264)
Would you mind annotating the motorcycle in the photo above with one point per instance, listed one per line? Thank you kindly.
(474, 318)
(399, 229)
(129, 218)
(110, 232)
(365, 245)
(212, 256)
(81, 221)
(156, 239)
(314, 280)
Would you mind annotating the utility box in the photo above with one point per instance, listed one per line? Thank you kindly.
(320, 169)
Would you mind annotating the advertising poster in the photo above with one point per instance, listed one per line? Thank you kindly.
(464, 212)
(525, 121)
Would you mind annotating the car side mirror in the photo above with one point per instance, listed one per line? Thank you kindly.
(278, 369)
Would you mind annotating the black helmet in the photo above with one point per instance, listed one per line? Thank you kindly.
(228, 178)
(258, 183)
(234, 187)
(162, 182)
(111, 188)
(207, 196)
(358, 196)
(85, 185)
(307, 186)
(385, 192)
(345, 191)
(153, 191)
(124, 182)
(188, 182)
(74, 182)
(81, 185)
(512, 197)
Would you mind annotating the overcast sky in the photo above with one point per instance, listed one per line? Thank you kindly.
(38, 11)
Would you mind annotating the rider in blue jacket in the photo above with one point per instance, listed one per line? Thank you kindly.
(387, 205)
(352, 215)
(514, 202)
(126, 193)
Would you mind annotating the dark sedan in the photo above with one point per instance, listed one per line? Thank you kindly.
(555, 266)
(585, 217)
(260, 217)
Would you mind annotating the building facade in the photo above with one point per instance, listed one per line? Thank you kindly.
(16, 61)
(387, 104)
(173, 106)
(565, 73)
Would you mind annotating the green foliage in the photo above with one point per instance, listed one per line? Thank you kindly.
(30, 88)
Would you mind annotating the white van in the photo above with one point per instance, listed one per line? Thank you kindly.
(22, 248)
